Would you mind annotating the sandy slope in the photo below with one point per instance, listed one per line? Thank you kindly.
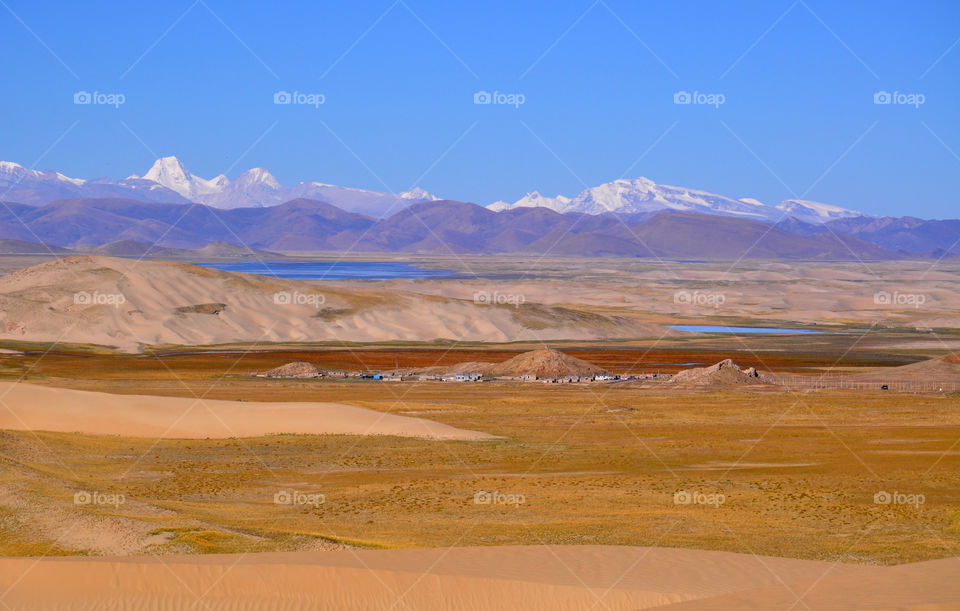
(31, 407)
(534, 577)
(125, 303)
(923, 586)
(461, 578)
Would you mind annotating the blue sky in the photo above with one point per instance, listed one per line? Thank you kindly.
(598, 79)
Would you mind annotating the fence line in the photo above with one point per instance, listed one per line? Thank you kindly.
(840, 382)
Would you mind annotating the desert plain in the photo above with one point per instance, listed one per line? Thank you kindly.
(148, 463)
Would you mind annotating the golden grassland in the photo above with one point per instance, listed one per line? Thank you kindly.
(591, 464)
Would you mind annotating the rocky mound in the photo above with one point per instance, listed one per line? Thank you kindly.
(296, 369)
(545, 363)
(724, 373)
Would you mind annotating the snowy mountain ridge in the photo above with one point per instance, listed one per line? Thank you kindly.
(638, 195)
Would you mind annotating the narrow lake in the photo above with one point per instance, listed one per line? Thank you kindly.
(333, 270)
(721, 329)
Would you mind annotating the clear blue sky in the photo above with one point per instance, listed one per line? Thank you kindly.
(599, 79)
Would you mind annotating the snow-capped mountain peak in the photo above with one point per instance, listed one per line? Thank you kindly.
(638, 195)
(167, 169)
(13, 174)
(172, 174)
(9, 167)
(535, 199)
(257, 176)
(814, 212)
(169, 181)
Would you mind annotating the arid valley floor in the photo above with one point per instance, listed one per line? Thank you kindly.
(814, 489)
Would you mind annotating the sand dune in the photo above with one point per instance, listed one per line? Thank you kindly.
(31, 407)
(127, 303)
(535, 577)
(923, 586)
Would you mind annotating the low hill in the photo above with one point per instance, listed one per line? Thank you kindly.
(724, 373)
(224, 250)
(213, 250)
(132, 248)
(296, 369)
(942, 369)
(22, 247)
(545, 363)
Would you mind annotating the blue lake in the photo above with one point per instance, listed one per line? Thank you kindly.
(334, 270)
(721, 329)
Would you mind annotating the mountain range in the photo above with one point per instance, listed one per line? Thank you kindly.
(169, 207)
(444, 227)
(169, 181)
(642, 195)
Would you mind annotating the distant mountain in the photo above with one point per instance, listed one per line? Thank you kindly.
(815, 212)
(257, 188)
(22, 247)
(128, 227)
(213, 250)
(19, 184)
(642, 195)
(905, 234)
(169, 181)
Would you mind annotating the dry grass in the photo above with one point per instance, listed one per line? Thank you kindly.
(593, 465)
